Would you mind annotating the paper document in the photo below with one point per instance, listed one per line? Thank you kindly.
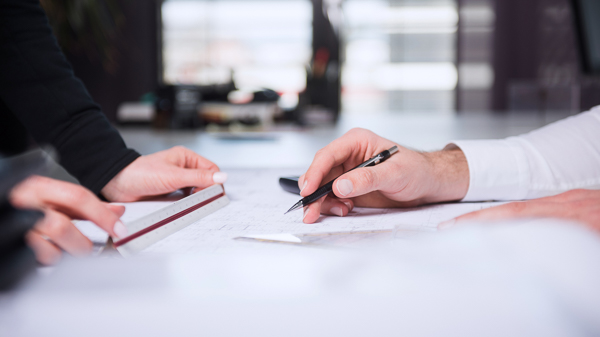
(257, 206)
(343, 239)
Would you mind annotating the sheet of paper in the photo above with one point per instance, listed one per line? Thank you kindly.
(257, 208)
(258, 205)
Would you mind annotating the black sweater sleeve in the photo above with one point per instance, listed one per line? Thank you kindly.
(39, 88)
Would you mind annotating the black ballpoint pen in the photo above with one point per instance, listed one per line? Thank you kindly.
(328, 188)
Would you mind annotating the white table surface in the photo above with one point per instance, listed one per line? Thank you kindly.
(524, 279)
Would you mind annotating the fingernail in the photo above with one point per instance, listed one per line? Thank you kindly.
(120, 230)
(220, 177)
(337, 211)
(305, 213)
(304, 186)
(345, 187)
(347, 203)
(447, 224)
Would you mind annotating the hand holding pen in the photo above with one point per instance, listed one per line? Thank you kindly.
(408, 178)
(328, 188)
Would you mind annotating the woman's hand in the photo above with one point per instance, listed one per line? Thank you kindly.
(407, 178)
(162, 173)
(581, 206)
(61, 202)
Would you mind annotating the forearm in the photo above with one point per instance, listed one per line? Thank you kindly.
(559, 157)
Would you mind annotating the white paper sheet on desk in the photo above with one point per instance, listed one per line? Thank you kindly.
(257, 207)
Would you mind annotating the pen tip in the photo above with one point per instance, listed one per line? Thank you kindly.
(295, 207)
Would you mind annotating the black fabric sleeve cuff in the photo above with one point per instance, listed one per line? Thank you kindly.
(98, 184)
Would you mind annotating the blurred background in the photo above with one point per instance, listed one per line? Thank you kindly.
(246, 64)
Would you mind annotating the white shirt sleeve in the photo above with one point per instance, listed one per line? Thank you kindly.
(556, 158)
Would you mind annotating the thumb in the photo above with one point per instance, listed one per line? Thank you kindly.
(358, 182)
(201, 178)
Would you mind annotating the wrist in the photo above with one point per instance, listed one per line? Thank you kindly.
(110, 192)
(113, 191)
(449, 171)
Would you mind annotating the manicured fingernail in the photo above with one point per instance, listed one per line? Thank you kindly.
(345, 187)
(347, 203)
(220, 177)
(337, 211)
(304, 186)
(120, 230)
(305, 213)
(447, 224)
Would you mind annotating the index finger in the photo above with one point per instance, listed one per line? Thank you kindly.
(70, 199)
(352, 145)
(192, 160)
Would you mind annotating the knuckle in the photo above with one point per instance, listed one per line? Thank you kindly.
(353, 131)
(322, 152)
(57, 227)
(324, 157)
(78, 195)
(369, 176)
(357, 131)
(366, 178)
(176, 152)
(178, 148)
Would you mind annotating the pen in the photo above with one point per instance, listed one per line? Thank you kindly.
(328, 188)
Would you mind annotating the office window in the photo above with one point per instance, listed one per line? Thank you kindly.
(399, 55)
(475, 55)
(261, 44)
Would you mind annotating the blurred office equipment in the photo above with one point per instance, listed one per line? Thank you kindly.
(531, 51)
(395, 55)
(565, 65)
(321, 100)
(177, 107)
(220, 106)
(253, 43)
(586, 14)
(287, 48)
